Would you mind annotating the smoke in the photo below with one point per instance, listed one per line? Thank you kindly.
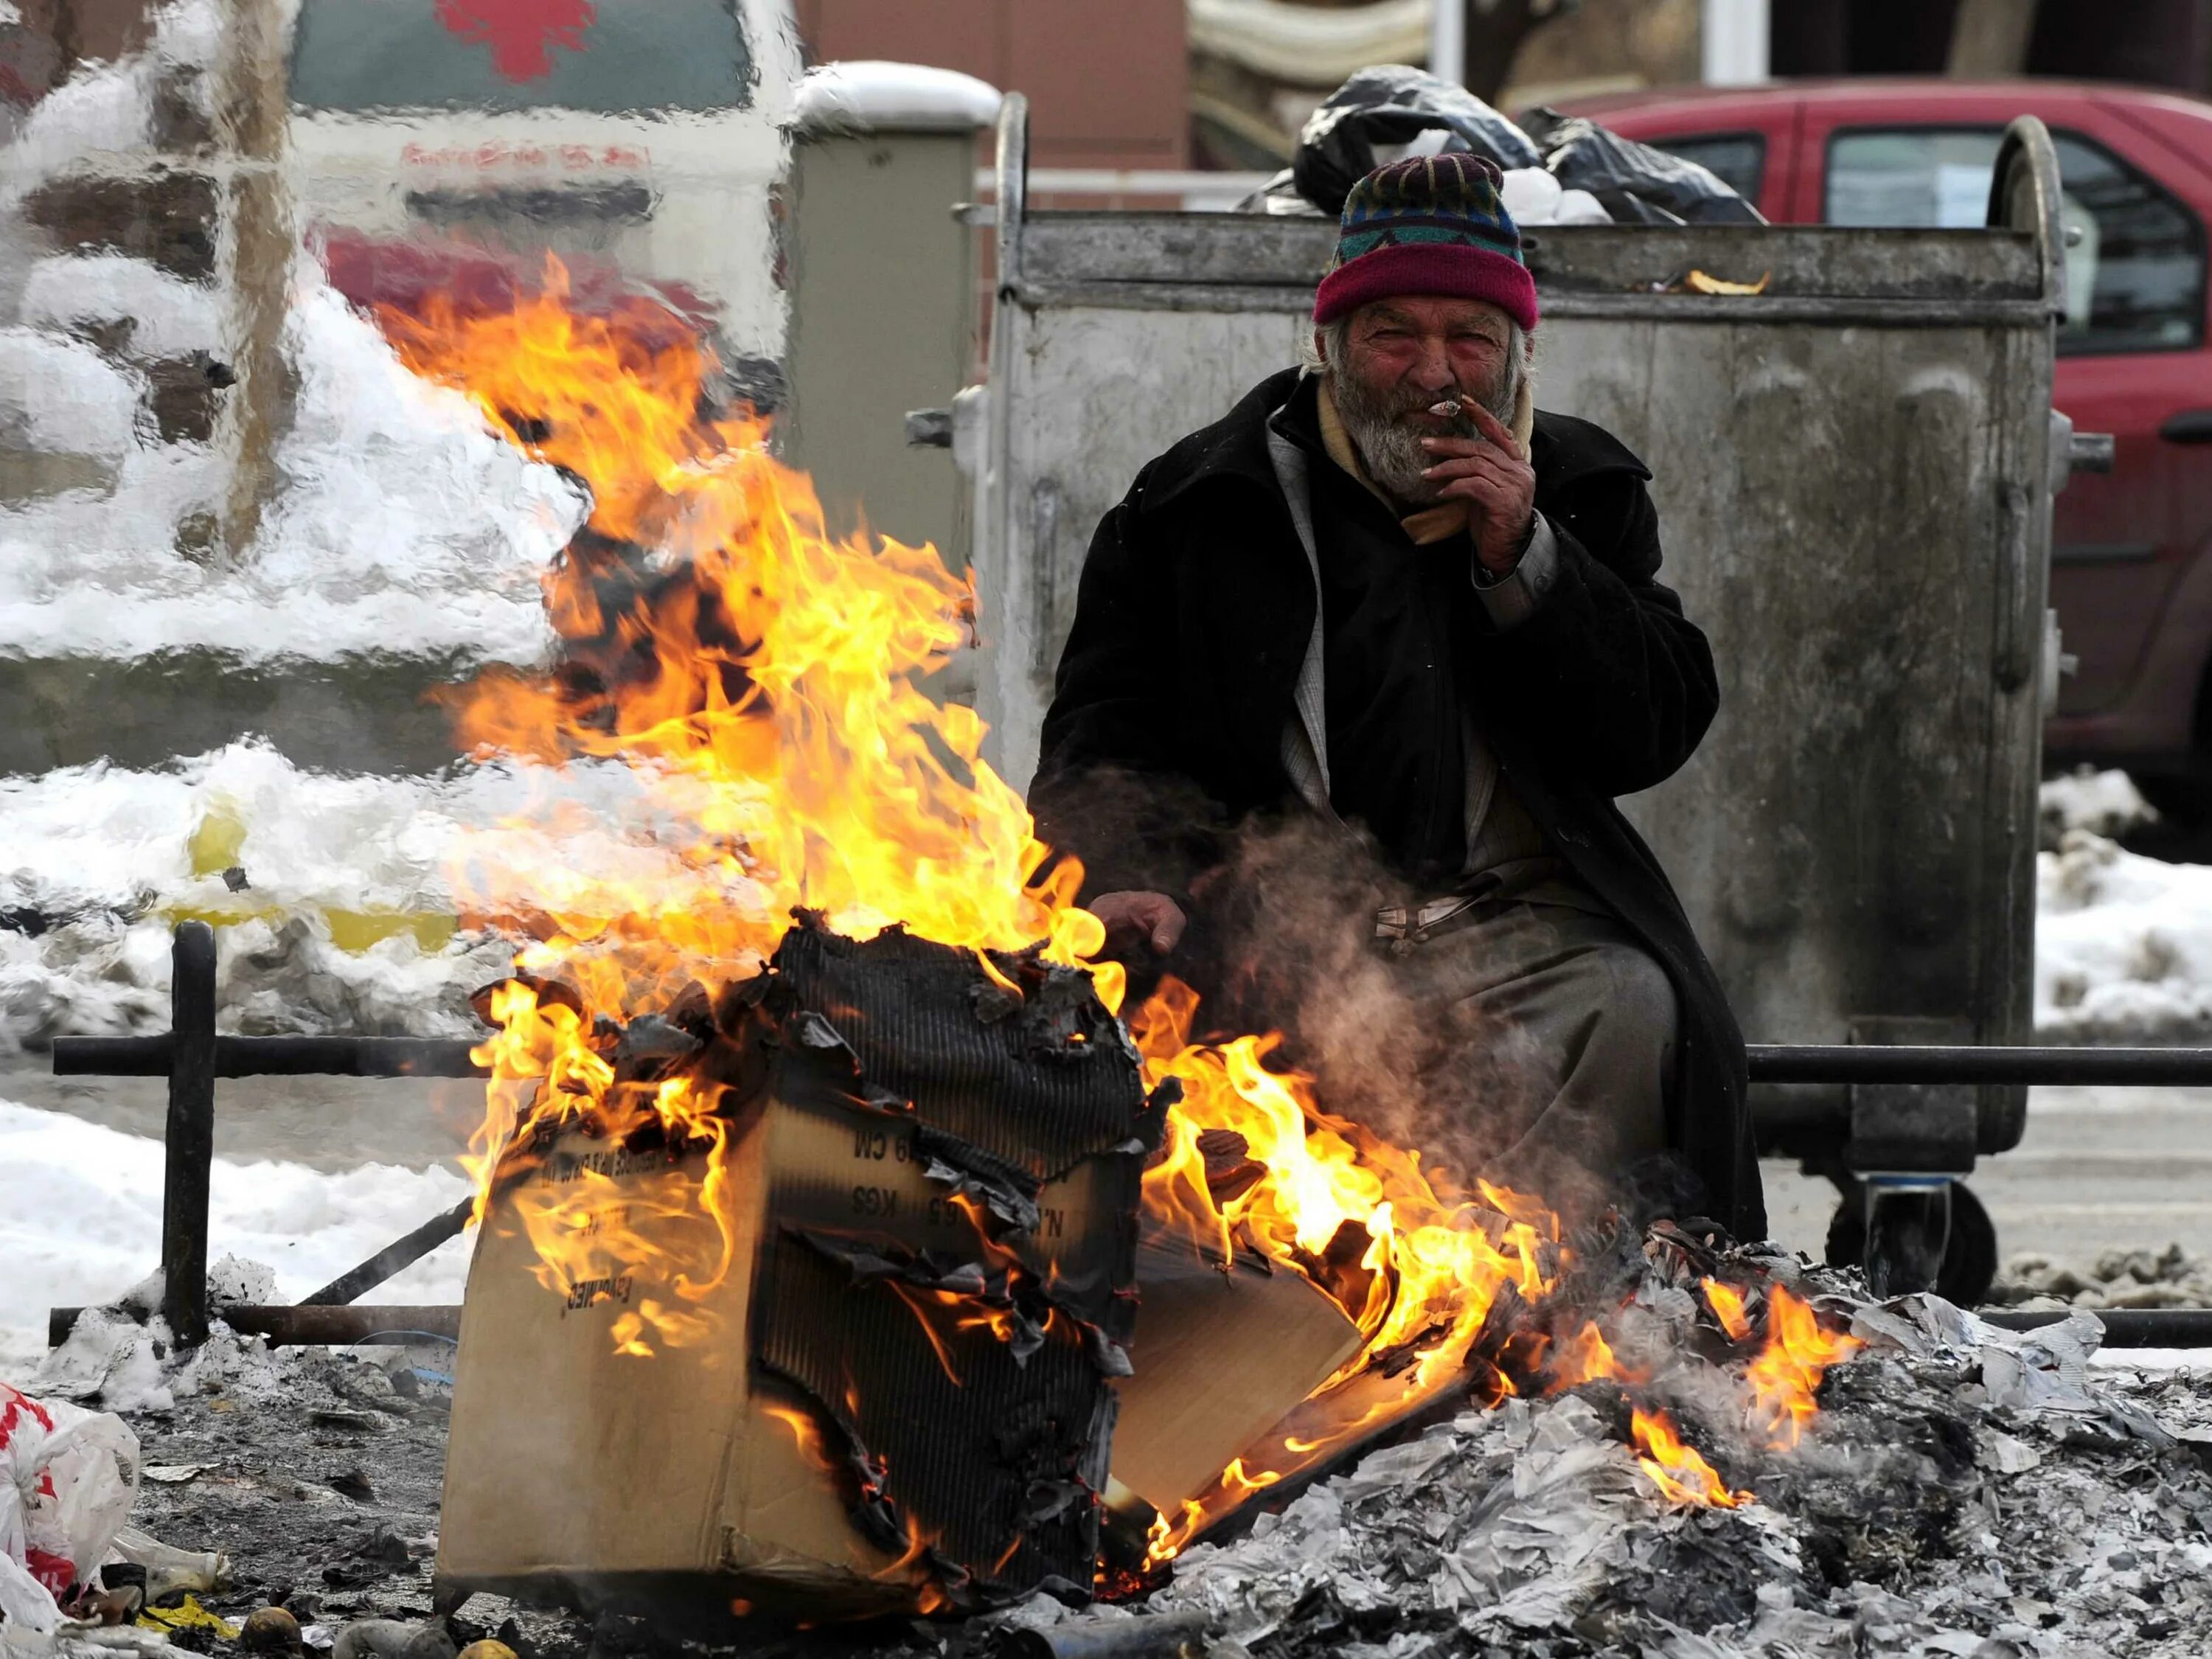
(1286, 942)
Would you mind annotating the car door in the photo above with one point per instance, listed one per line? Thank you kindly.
(2133, 362)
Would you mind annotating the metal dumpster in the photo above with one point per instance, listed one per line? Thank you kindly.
(1853, 471)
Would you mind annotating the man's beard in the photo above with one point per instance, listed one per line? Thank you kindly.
(1389, 443)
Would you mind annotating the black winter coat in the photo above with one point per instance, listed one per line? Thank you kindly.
(1192, 621)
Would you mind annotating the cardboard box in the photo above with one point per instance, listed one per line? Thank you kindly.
(1221, 1357)
(872, 1084)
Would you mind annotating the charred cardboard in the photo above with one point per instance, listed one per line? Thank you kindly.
(1221, 1356)
(724, 1466)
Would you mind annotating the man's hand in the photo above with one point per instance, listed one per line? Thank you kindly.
(1151, 918)
(1489, 475)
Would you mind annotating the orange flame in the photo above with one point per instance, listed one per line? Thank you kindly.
(1727, 1305)
(1788, 1372)
(762, 683)
(768, 692)
(807, 1433)
(1429, 1262)
(1676, 1467)
(1587, 1356)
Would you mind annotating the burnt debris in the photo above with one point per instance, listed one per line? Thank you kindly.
(942, 1152)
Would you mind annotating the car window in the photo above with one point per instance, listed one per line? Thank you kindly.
(2135, 257)
(1740, 158)
(598, 55)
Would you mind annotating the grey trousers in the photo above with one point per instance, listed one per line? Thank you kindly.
(1554, 1030)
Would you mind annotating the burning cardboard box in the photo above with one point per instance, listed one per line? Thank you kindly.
(845, 1343)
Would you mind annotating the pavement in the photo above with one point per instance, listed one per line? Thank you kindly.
(327, 1123)
(2099, 1169)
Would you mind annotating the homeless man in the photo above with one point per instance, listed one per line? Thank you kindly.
(1388, 595)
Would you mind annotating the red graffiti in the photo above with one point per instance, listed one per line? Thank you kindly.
(521, 33)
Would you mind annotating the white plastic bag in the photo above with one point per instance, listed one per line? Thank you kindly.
(67, 1477)
(1534, 197)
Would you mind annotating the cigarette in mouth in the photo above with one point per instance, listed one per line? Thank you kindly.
(1449, 409)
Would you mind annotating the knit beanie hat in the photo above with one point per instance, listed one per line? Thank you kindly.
(1429, 224)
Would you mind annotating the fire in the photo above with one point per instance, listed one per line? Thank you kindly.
(1788, 1372)
(1676, 1467)
(761, 684)
(1728, 1307)
(1586, 1356)
(1414, 1262)
(808, 1436)
(762, 681)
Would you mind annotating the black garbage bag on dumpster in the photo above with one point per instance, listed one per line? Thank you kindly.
(1636, 184)
(1392, 104)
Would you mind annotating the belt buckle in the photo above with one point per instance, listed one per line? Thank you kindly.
(1402, 927)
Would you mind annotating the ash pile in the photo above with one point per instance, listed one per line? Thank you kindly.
(1958, 1489)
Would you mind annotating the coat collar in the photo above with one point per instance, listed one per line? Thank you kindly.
(1562, 449)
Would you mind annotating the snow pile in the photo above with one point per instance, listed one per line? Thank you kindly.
(2106, 804)
(60, 395)
(347, 921)
(402, 525)
(405, 527)
(168, 317)
(334, 894)
(2171, 1278)
(2123, 944)
(81, 1223)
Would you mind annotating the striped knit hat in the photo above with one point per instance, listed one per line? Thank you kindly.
(1429, 224)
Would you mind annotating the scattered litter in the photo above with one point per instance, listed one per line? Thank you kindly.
(270, 1630)
(1961, 1489)
(1698, 282)
(389, 1638)
(174, 1475)
(368, 1421)
(169, 1569)
(67, 1480)
(187, 1614)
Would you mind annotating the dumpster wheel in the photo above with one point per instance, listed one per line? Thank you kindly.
(1904, 1226)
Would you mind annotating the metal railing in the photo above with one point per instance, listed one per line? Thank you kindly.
(192, 1054)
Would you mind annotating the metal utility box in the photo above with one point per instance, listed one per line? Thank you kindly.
(885, 307)
(1853, 471)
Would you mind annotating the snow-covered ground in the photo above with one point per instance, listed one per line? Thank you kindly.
(81, 1222)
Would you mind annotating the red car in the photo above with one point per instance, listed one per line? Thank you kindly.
(2131, 554)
